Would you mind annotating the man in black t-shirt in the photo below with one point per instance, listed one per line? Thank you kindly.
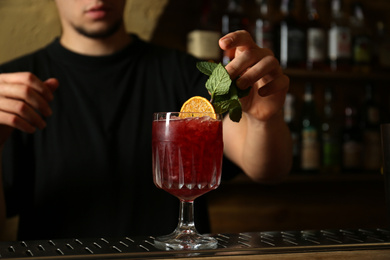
(75, 126)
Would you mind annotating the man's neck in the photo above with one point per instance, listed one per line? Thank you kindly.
(94, 46)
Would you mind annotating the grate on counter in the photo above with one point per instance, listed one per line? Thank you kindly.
(272, 242)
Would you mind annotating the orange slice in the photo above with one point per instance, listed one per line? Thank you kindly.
(200, 106)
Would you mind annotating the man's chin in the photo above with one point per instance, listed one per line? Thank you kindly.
(102, 33)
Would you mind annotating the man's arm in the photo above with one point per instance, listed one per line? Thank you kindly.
(261, 142)
(263, 150)
(23, 98)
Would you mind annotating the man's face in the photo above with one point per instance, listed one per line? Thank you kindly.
(91, 18)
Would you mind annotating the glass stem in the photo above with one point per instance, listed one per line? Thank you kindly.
(186, 217)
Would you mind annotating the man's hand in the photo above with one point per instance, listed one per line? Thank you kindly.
(24, 102)
(261, 142)
(256, 67)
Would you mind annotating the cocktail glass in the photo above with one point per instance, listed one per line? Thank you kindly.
(187, 163)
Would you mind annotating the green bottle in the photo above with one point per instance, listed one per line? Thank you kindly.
(330, 137)
(310, 145)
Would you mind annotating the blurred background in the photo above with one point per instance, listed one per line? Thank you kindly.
(337, 55)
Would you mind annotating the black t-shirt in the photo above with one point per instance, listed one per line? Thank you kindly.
(89, 172)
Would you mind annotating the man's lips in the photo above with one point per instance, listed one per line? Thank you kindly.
(97, 12)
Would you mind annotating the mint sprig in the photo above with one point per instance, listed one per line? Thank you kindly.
(224, 92)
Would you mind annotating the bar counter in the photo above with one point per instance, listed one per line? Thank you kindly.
(305, 244)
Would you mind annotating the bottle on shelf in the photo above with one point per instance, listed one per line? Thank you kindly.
(264, 27)
(339, 39)
(382, 47)
(371, 132)
(290, 119)
(330, 137)
(316, 38)
(234, 18)
(361, 40)
(202, 42)
(310, 144)
(291, 38)
(352, 141)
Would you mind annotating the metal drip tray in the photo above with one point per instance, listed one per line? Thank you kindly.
(228, 244)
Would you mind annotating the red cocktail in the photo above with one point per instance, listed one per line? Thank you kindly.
(187, 162)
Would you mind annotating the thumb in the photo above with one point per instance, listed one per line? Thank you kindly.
(239, 39)
(52, 83)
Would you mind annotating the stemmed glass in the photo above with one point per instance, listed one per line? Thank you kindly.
(187, 163)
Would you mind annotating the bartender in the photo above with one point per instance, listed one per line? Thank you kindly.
(75, 126)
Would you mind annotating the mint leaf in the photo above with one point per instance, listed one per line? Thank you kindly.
(224, 92)
(235, 113)
(219, 81)
(206, 67)
(222, 98)
(222, 106)
(229, 103)
(233, 91)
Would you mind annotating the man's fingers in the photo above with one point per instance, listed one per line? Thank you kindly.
(52, 84)
(236, 39)
(20, 110)
(29, 80)
(247, 55)
(28, 94)
(253, 65)
(242, 62)
(278, 84)
(24, 99)
(265, 66)
(14, 121)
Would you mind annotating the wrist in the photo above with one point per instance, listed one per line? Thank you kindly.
(270, 122)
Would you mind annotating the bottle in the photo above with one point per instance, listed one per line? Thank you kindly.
(290, 119)
(203, 41)
(382, 48)
(339, 39)
(291, 37)
(361, 40)
(352, 141)
(371, 133)
(316, 52)
(264, 27)
(310, 145)
(233, 19)
(330, 137)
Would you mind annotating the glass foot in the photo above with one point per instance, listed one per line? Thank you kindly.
(185, 241)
